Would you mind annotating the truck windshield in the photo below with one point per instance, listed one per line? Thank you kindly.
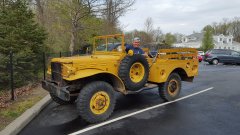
(108, 44)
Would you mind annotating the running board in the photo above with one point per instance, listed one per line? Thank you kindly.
(146, 87)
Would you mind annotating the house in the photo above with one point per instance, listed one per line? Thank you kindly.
(225, 42)
(191, 41)
(220, 42)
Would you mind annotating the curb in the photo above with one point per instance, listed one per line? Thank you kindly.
(18, 124)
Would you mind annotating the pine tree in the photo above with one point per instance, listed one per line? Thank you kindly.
(21, 35)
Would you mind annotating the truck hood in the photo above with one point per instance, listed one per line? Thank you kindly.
(81, 66)
(87, 59)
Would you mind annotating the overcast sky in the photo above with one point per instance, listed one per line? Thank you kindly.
(182, 16)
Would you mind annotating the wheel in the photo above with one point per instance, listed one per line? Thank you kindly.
(215, 61)
(170, 90)
(134, 71)
(96, 101)
(60, 101)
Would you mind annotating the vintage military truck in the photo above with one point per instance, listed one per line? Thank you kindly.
(91, 80)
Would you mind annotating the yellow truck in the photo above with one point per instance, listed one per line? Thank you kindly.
(91, 80)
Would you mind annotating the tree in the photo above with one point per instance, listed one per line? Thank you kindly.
(40, 11)
(234, 28)
(208, 27)
(157, 35)
(69, 17)
(148, 24)
(207, 42)
(21, 35)
(170, 39)
(112, 10)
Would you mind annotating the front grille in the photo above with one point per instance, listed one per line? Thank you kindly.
(56, 71)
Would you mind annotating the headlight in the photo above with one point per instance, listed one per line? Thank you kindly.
(68, 70)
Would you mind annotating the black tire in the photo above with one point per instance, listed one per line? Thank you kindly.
(171, 93)
(124, 70)
(85, 97)
(215, 61)
(60, 101)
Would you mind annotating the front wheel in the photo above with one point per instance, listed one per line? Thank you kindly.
(170, 90)
(96, 101)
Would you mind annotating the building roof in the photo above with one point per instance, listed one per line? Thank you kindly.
(198, 36)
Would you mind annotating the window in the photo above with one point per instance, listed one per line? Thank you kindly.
(219, 51)
(235, 53)
(230, 40)
(229, 48)
(220, 47)
(220, 39)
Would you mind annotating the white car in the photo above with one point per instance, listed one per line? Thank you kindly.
(201, 53)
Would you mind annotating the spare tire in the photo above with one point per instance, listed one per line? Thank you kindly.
(134, 71)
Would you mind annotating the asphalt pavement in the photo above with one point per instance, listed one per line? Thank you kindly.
(211, 112)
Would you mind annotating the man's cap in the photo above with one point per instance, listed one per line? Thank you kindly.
(136, 39)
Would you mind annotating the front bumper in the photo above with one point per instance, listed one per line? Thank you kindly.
(60, 92)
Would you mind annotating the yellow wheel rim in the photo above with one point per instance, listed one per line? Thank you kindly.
(99, 102)
(136, 72)
(173, 87)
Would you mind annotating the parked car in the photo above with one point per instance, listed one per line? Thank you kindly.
(200, 58)
(201, 53)
(216, 56)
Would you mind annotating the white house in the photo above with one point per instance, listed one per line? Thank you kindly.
(225, 42)
(220, 42)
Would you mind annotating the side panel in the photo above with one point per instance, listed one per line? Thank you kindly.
(116, 81)
(160, 70)
(84, 73)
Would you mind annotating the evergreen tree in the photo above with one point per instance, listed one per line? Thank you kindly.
(207, 42)
(21, 35)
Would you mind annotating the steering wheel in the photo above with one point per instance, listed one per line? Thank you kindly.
(150, 55)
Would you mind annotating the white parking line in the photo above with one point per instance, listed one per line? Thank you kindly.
(137, 112)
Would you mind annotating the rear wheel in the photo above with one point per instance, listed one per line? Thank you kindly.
(215, 61)
(170, 90)
(96, 101)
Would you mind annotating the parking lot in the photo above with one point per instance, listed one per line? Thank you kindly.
(210, 105)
